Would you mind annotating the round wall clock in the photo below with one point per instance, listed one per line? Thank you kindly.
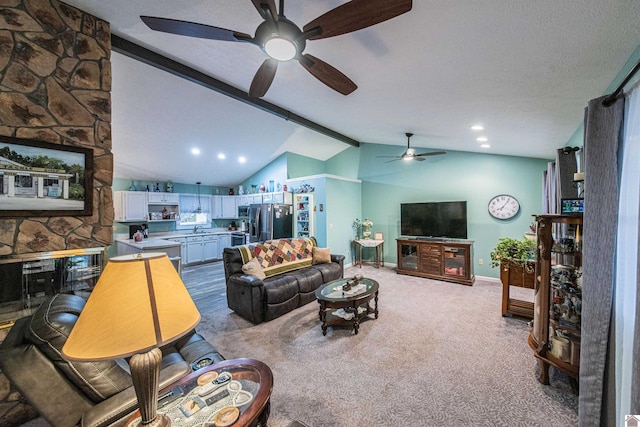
(503, 206)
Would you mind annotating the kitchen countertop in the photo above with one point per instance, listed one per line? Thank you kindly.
(149, 243)
(160, 240)
(187, 233)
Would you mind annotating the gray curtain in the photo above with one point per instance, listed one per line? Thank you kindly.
(597, 382)
(566, 166)
(549, 177)
(635, 385)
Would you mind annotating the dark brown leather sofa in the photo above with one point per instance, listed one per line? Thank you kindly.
(70, 393)
(262, 300)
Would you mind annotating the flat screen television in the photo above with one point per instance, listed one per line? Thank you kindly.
(434, 219)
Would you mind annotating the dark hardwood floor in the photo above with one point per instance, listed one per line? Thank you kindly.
(206, 285)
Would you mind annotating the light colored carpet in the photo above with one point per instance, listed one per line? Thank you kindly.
(439, 354)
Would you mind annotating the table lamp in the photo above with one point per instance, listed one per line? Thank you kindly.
(139, 304)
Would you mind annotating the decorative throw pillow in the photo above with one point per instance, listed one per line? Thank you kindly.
(321, 255)
(253, 268)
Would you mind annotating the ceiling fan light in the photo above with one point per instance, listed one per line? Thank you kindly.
(280, 48)
(411, 152)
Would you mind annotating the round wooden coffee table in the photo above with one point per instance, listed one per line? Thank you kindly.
(251, 379)
(346, 306)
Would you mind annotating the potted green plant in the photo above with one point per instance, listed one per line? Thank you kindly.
(516, 259)
(513, 252)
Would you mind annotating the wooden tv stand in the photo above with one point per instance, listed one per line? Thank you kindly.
(441, 259)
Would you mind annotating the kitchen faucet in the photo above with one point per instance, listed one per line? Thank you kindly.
(195, 229)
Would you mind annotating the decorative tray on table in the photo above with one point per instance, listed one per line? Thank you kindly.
(209, 400)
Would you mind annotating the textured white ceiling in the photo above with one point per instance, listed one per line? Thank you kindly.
(525, 69)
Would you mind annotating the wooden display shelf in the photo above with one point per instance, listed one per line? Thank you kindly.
(558, 259)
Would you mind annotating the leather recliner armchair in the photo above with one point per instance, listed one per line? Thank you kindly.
(68, 393)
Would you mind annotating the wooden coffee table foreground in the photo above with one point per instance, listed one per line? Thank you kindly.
(250, 371)
(331, 298)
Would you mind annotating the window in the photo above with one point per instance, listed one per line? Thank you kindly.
(24, 181)
(194, 210)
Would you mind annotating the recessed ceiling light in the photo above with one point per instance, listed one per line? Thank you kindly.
(221, 156)
(482, 139)
(485, 146)
(241, 159)
(477, 127)
(195, 151)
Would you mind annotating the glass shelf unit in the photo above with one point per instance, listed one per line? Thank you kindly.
(555, 335)
(304, 215)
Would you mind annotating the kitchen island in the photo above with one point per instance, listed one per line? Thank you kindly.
(151, 244)
(205, 245)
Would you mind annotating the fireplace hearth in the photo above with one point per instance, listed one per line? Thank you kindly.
(26, 280)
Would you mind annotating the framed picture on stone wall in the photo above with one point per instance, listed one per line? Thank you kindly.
(43, 179)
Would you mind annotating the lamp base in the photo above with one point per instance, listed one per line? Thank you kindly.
(145, 372)
(161, 420)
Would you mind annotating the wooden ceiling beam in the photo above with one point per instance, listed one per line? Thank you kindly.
(132, 50)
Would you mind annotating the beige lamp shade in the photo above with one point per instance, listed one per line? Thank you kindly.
(139, 303)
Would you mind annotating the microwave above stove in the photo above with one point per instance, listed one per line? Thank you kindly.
(243, 211)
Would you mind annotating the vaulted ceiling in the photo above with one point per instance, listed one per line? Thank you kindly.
(524, 69)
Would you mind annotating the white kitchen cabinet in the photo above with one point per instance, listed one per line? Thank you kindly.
(195, 250)
(244, 200)
(224, 241)
(183, 246)
(130, 205)
(216, 207)
(229, 209)
(163, 198)
(210, 247)
(283, 197)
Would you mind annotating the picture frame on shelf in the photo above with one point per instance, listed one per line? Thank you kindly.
(378, 235)
(39, 178)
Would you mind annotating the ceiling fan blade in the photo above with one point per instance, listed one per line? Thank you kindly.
(356, 15)
(394, 160)
(265, 7)
(419, 159)
(328, 74)
(263, 78)
(394, 157)
(193, 29)
(433, 153)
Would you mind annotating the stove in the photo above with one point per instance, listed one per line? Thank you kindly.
(239, 238)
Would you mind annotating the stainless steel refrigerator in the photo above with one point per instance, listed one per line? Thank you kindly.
(270, 221)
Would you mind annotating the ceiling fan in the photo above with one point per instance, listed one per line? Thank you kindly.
(410, 154)
(283, 40)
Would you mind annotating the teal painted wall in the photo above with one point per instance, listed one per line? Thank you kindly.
(346, 164)
(276, 171)
(343, 205)
(299, 166)
(472, 177)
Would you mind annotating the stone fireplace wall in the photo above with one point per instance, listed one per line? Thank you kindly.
(55, 86)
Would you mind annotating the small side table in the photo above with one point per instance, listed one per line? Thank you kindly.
(378, 245)
(252, 414)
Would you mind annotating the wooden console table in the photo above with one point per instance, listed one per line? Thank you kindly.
(441, 259)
